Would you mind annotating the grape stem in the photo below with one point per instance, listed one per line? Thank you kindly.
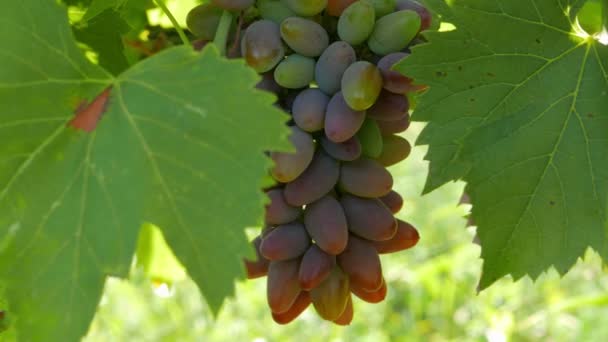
(176, 25)
(221, 35)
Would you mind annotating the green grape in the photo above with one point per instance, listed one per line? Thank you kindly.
(383, 7)
(203, 20)
(304, 36)
(295, 71)
(233, 5)
(274, 10)
(261, 45)
(371, 139)
(356, 22)
(361, 85)
(394, 32)
(331, 296)
(306, 8)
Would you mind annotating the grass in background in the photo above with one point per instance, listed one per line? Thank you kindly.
(432, 293)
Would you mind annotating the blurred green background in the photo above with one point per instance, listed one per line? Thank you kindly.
(432, 293)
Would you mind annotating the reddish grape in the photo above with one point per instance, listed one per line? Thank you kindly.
(315, 267)
(365, 178)
(285, 242)
(316, 181)
(300, 304)
(331, 296)
(278, 211)
(258, 267)
(392, 127)
(394, 149)
(370, 296)
(326, 224)
(289, 165)
(369, 218)
(348, 150)
(282, 286)
(389, 107)
(406, 237)
(422, 11)
(341, 121)
(361, 262)
(393, 201)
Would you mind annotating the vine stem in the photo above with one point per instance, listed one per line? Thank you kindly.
(221, 35)
(178, 28)
(605, 15)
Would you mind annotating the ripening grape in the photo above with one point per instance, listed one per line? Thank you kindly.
(268, 83)
(394, 32)
(348, 150)
(369, 218)
(278, 211)
(361, 85)
(371, 139)
(424, 13)
(392, 127)
(285, 242)
(370, 296)
(203, 20)
(356, 23)
(289, 165)
(394, 81)
(308, 109)
(326, 224)
(383, 7)
(317, 180)
(406, 237)
(258, 267)
(233, 5)
(274, 10)
(336, 7)
(298, 306)
(295, 71)
(393, 201)
(315, 267)
(361, 262)
(347, 315)
(331, 66)
(282, 285)
(365, 178)
(306, 8)
(341, 121)
(394, 150)
(304, 36)
(331, 296)
(389, 107)
(261, 45)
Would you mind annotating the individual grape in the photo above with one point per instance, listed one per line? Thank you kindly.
(341, 121)
(304, 36)
(233, 5)
(300, 304)
(261, 45)
(393, 201)
(295, 71)
(389, 107)
(258, 267)
(315, 267)
(335, 8)
(308, 109)
(370, 296)
(362, 264)
(289, 165)
(383, 7)
(361, 85)
(348, 150)
(371, 139)
(282, 285)
(365, 178)
(369, 218)
(406, 237)
(203, 20)
(347, 316)
(326, 224)
(392, 127)
(424, 13)
(356, 23)
(392, 80)
(331, 296)
(278, 211)
(285, 242)
(317, 180)
(331, 66)
(268, 83)
(394, 32)
(274, 10)
(394, 150)
(306, 8)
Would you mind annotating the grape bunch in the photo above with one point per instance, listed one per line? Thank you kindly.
(331, 212)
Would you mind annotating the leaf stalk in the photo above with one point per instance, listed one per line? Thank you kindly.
(221, 35)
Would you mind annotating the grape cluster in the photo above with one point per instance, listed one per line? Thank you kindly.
(332, 211)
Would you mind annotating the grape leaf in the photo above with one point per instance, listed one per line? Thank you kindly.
(97, 7)
(518, 108)
(179, 146)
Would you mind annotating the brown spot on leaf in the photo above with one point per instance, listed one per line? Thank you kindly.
(88, 115)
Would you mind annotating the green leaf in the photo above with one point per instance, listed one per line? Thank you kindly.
(97, 7)
(180, 146)
(155, 257)
(103, 34)
(518, 108)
